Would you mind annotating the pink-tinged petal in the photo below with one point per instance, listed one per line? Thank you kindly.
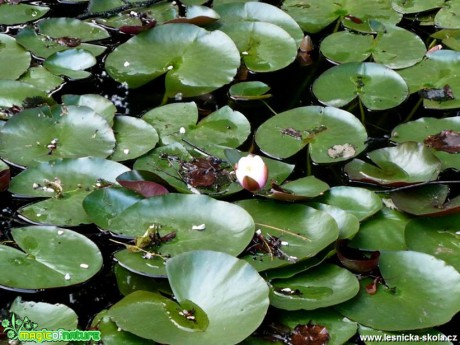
(251, 172)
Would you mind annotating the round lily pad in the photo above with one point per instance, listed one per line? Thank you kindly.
(288, 233)
(320, 287)
(360, 202)
(155, 317)
(18, 13)
(43, 134)
(48, 257)
(14, 60)
(72, 27)
(406, 163)
(249, 90)
(377, 86)
(347, 222)
(71, 63)
(17, 93)
(446, 17)
(438, 237)
(406, 7)
(134, 138)
(179, 50)
(98, 103)
(41, 78)
(301, 189)
(333, 134)
(422, 291)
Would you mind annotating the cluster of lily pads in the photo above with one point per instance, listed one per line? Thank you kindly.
(200, 260)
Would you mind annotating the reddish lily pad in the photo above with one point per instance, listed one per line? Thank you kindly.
(4, 176)
(143, 182)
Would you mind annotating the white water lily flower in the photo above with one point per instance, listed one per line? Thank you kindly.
(251, 172)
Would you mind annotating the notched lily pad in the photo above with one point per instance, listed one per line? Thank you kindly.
(301, 189)
(49, 257)
(71, 63)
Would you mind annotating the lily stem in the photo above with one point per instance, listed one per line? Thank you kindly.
(414, 110)
(362, 112)
(270, 108)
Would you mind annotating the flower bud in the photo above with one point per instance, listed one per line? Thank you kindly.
(251, 172)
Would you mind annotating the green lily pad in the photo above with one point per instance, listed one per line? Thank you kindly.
(45, 46)
(422, 292)
(334, 135)
(249, 90)
(384, 231)
(179, 51)
(45, 316)
(449, 37)
(18, 13)
(422, 128)
(16, 93)
(346, 46)
(98, 103)
(428, 200)
(42, 79)
(407, 163)
(377, 86)
(140, 263)
(301, 189)
(438, 237)
(406, 7)
(313, 16)
(40, 135)
(426, 334)
(49, 257)
(320, 287)
(360, 202)
(71, 27)
(347, 222)
(134, 138)
(71, 63)
(155, 317)
(14, 60)
(446, 17)
(128, 282)
(291, 232)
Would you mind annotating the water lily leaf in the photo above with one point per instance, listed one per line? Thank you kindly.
(356, 260)
(16, 93)
(334, 135)
(141, 263)
(143, 182)
(45, 316)
(421, 334)
(384, 231)
(45, 46)
(322, 286)
(199, 222)
(198, 15)
(71, 27)
(128, 282)
(102, 205)
(238, 12)
(313, 16)
(347, 222)
(377, 86)
(446, 18)
(249, 90)
(98, 103)
(146, 314)
(42, 79)
(134, 138)
(111, 334)
(180, 50)
(346, 46)
(438, 237)
(5, 175)
(71, 63)
(301, 189)
(428, 200)
(421, 130)
(407, 163)
(360, 202)
(406, 7)
(14, 60)
(49, 257)
(418, 294)
(11, 14)
(449, 37)
(39, 135)
(288, 233)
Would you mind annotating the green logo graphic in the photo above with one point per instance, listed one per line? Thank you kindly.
(16, 325)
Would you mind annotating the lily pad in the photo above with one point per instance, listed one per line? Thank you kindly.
(334, 135)
(406, 7)
(407, 163)
(142, 182)
(43, 134)
(142, 264)
(128, 282)
(45, 316)
(301, 189)
(446, 17)
(134, 138)
(422, 292)
(179, 51)
(14, 60)
(71, 27)
(19, 13)
(15, 93)
(227, 279)
(347, 222)
(42, 79)
(49, 257)
(5, 175)
(71, 63)
(421, 129)
(98, 103)
(377, 86)
(249, 90)
(288, 233)
(431, 200)
(360, 202)
(322, 286)
(438, 237)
